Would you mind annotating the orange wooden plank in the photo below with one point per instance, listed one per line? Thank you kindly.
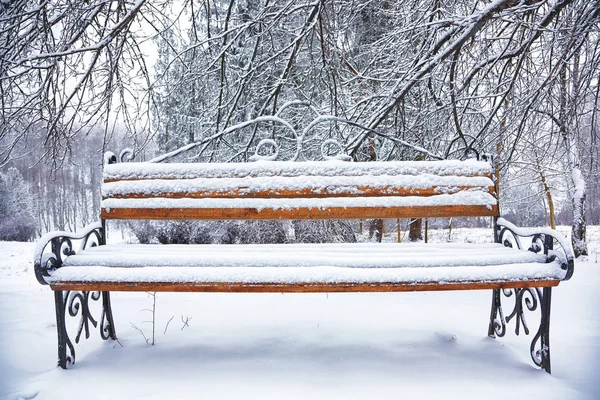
(361, 191)
(300, 213)
(294, 287)
(254, 175)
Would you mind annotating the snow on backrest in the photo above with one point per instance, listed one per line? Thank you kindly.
(141, 170)
(298, 190)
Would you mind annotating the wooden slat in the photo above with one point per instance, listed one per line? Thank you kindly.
(300, 213)
(361, 191)
(295, 287)
(130, 179)
(255, 175)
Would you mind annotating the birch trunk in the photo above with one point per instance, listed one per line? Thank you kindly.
(578, 228)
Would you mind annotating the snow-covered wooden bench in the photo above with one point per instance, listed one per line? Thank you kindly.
(302, 190)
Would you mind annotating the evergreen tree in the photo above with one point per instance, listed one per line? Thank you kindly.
(17, 220)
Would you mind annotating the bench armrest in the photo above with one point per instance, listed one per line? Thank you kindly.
(542, 239)
(61, 245)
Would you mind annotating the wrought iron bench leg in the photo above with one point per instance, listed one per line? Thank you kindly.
(74, 303)
(61, 327)
(544, 333)
(107, 324)
(525, 298)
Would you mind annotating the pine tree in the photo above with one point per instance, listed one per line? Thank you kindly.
(17, 220)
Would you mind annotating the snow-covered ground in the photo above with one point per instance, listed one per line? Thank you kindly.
(403, 345)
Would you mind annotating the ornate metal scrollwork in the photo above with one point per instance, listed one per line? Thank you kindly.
(525, 299)
(264, 144)
(543, 241)
(470, 152)
(340, 155)
(78, 304)
(125, 155)
(509, 239)
(73, 303)
(61, 246)
(295, 132)
(529, 299)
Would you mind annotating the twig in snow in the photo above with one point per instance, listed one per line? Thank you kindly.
(167, 326)
(140, 331)
(185, 322)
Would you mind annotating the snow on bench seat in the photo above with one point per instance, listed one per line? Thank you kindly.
(293, 264)
(352, 255)
(535, 273)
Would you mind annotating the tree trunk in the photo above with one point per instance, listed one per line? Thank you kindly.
(578, 227)
(546, 190)
(376, 225)
(415, 232)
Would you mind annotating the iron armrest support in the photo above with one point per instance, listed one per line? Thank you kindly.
(61, 246)
(543, 239)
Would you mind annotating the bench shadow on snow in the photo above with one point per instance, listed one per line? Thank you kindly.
(437, 354)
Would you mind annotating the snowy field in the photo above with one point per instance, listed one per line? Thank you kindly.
(305, 346)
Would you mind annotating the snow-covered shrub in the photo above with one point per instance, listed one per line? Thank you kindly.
(246, 232)
(17, 221)
(204, 232)
(171, 232)
(143, 230)
(323, 231)
(17, 229)
(242, 232)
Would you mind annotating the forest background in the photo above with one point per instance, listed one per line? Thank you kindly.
(515, 79)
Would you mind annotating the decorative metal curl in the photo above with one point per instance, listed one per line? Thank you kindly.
(509, 239)
(51, 261)
(125, 155)
(61, 246)
(538, 244)
(527, 296)
(107, 325)
(263, 143)
(471, 153)
(486, 157)
(77, 303)
(110, 158)
(340, 154)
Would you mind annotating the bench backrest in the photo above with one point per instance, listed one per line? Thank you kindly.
(271, 190)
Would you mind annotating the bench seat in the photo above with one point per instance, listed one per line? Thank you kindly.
(400, 267)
